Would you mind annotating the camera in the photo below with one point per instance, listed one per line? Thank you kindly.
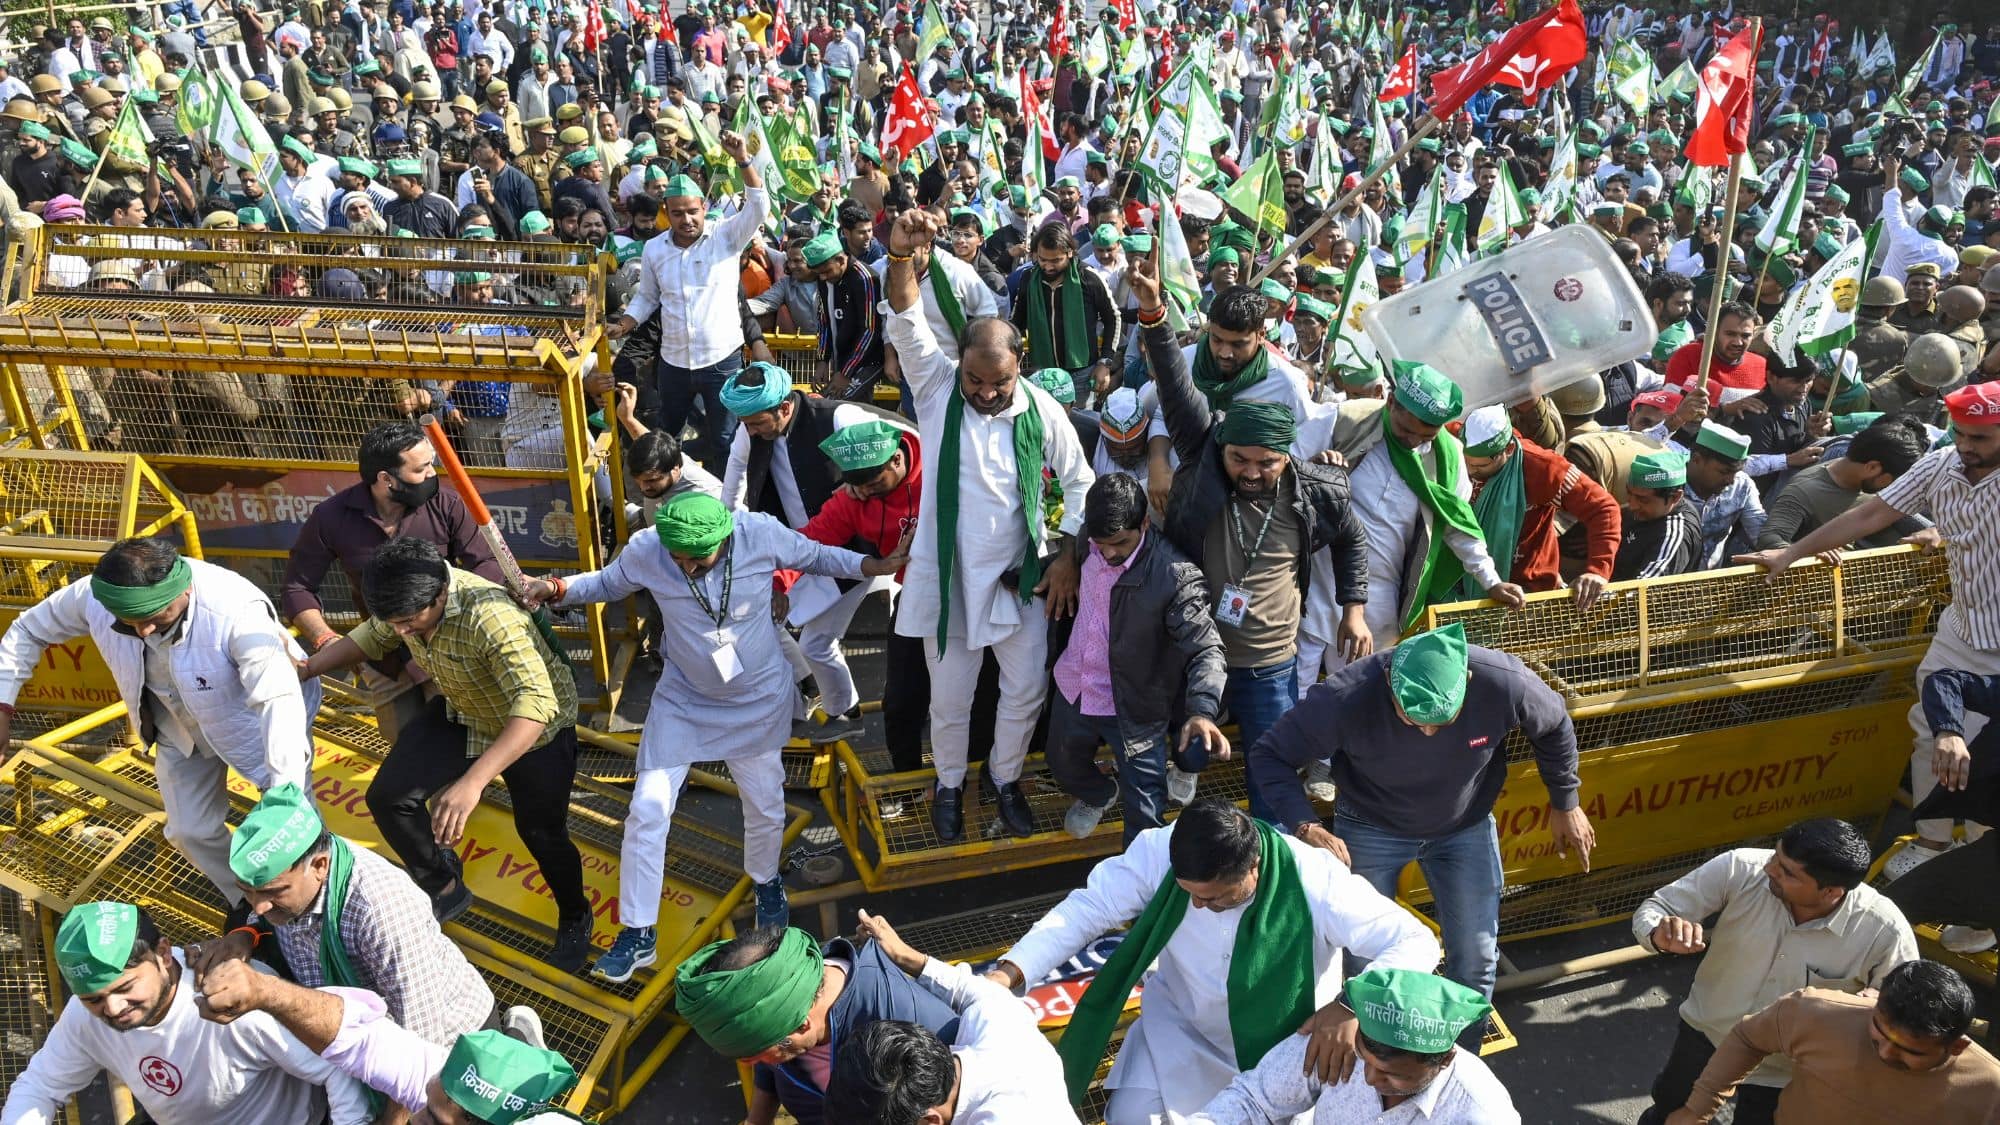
(177, 150)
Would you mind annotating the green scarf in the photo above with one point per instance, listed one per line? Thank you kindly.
(1073, 354)
(1220, 390)
(1442, 570)
(333, 963)
(1501, 506)
(1028, 477)
(1271, 972)
(947, 302)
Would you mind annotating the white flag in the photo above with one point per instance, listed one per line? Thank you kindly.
(1819, 315)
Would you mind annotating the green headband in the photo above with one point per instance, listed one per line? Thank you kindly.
(1427, 673)
(740, 1012)
(95, 943)
(276, 834)
(502, 1080)
(136, 603)
(694, 524)
(863, 445)
(1267, 425)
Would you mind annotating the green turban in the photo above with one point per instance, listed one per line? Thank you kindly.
(694, 524)
(1267, 425)
(1427, 673)
(1057, 383)
(743, 398)
(681, 186)
(1660, 469)
(824, 247)
(277, 832)
(136, 603)
(94, 943)
(1416, 1011)
(500, 1079)
(743, 1011)
(863, 445)
(1428, 393)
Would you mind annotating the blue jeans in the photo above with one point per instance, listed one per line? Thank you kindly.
(1463, 871)
(682, 391)
(1142, 767)
(1257, 698)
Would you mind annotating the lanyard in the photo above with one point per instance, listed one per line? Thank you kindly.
(1251, 550)
(715, 614)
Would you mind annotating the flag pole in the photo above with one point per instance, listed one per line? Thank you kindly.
(1426, 125)
(1719, 290)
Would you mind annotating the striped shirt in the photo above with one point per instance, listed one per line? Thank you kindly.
(488, 659)
(1963, 511)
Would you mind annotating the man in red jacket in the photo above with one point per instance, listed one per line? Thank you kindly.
(1517, 488)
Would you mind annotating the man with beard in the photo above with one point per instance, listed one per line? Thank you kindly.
(1517, 489)
(1801, 902)
(1955, 488)
(987, 552)
(1066, 313)
(1819, 493)
(850, 338)
(1662, 532)
(134, 1014)
(1734, 371)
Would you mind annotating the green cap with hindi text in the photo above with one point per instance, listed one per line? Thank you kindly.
(863, 445)
(824, 247)
(1662, 468)
(1428, 393)
(1427, 674)
(94, 944)
(1057, 383)
(277, 832)
(500, 1079)
(1411, 1010)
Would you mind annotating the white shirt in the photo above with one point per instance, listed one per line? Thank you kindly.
(974, 298)
(694, 288)
(1072, 162)
(1756, 953)
(992, 527)
(1181, 1044)
(1010, 1073)
(1390, 514)
(1464, 1093)
(184, 1070)
(736, 474)
(1907, 245)
(306, 200)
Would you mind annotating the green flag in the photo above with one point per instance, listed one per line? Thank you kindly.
(129, 138)
(238, 132)
(1380, 148)
(1632, 75)
(1260, 194)
(1425, 215)
(1178, 278)
(1780, 235)
(1559, 194)
(1096, 52)
(196, 108)
(1696, 189)
(1680, 82)
(1819, 315)
(1163, 160)
(1204, 128)
(1504, 211)
(1351, 349)
(797, 170)
(933, 31)
(1914, 77)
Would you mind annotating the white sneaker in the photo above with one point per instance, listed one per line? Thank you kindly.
(1909, 858)
(1319, 783)
(1082, 818)
(1181, 786)
(1966, 939)
(523, 1023)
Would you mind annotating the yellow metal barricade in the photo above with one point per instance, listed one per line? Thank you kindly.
(799, 356)
(80, 831)
(246, 367)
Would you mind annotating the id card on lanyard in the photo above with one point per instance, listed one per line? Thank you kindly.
(722, 638)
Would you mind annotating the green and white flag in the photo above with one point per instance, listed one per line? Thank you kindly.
(1204, 128)
(1696, 189)
(1293, 117)
(1163, 159)
(1350, 348)
(1179, 86)
(793, 153)
(1133, 57)
(1819, 315)
(1681, 81)
(1381, 146)
(989, 147)
(1032, 158)
(1178, 278)
(1096, 52)
(1504, 211)
(1914, 77)
(238, 133)
(1982, 172)
(1559, 194)
(1260, 194)
(843, 143)
(1780, 235)
(934, 30)
(1632, 75)
(129, 137)
(1883, 54)
(196, 108)
(1425, 214)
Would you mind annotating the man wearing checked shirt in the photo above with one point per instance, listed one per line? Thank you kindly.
(690, 279)
(508, 699)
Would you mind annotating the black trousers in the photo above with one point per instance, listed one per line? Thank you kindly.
(1755, 1105)
(1960, 887)
(428, 755)
(906, 703)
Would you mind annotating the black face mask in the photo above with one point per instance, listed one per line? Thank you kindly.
(413, 496)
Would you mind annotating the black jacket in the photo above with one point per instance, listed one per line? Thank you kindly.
(812, 471)
(1201, 485)
(1102, 336)
(1166, 655)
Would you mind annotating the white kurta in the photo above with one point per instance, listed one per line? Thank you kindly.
(184, 1070)
(974, 298)
(1010, 1072)
(992, 529)
(697, 713)
(1181, 1044)
(1466, 1093)
(1389, 512)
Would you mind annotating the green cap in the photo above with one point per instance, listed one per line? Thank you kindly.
(1430, 145)
(1273, 289)
(1224, 255)
(277, 832)
(644, 146)
(356, 166)
(405, 166)
(1723, 441)
(824, 247)
(1671, 338)
(694, 524)
(1057, 383)
(1428, 393)
(1858, 148)
(471, 277)
(683, 186)
(1308, 305)
(94, 944)
(248, 215)
(534, 222)
(1585, 150)
(34, 130)
(580, 157)
(1914, 180)
(1855, 423)
(1066, 182)
(78, 154)
(500, 1079)
(1785, 119)
(1939, 215)
(1105, 235)
(479, 231)
(297, 148)
(1826, 245)
(1411, 1010)
(1427, 673)
(1141, 243)
(863, 445)
(1661, 468)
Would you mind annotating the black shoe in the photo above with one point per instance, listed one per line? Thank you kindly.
(948, 814)
(448, 905)
(572, 946)
(1015, 814)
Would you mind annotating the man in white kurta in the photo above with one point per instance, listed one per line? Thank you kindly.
(1181, 1052)
(724, 693)
(992, 539)
(971, 295)
(181, 1068)
(208, 677)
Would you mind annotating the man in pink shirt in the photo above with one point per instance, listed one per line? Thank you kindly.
(1144, 601)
